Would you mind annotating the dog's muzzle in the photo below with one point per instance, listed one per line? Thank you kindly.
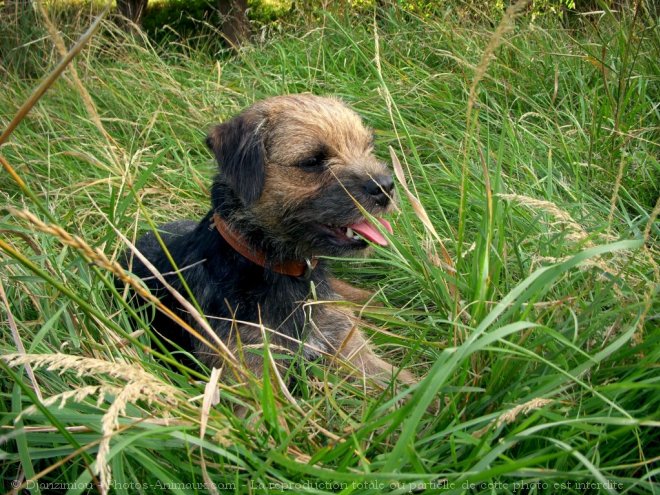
(380, 188)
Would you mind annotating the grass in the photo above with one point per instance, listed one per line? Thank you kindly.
(521, 282)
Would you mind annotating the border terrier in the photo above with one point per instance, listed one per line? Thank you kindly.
(295, 175)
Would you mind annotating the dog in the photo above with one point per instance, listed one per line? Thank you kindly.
(296, 173)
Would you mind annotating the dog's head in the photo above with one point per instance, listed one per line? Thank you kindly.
(301, 167)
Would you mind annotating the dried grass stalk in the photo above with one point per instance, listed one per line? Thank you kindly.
(505, 25)
(511, 415)
(50, 78)
(211, 398)
(77, 83)
(139, 386)
(575, 233)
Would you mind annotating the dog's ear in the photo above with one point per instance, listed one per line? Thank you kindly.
(239, 149)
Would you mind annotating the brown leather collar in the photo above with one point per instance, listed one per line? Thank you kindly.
(292, 268)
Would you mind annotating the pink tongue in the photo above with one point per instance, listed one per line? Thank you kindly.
(369, 232)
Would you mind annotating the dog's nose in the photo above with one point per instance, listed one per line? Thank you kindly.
(380, 188)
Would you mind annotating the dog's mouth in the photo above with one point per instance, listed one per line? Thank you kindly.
(357, 234)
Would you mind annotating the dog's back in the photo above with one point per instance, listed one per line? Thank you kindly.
(175, 236)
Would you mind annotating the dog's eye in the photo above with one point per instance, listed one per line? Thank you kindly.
(314, 162)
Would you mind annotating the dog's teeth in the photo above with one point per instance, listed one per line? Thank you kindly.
(349, 233)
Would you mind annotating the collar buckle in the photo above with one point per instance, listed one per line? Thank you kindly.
(309, 269)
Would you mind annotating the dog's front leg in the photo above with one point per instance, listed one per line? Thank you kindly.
(348, 292)
(357, 350)
(338, 330)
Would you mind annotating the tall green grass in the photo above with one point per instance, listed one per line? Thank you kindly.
(528, 308)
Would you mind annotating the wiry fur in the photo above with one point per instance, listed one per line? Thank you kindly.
(289, 167)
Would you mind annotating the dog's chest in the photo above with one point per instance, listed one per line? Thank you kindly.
(285, 308)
